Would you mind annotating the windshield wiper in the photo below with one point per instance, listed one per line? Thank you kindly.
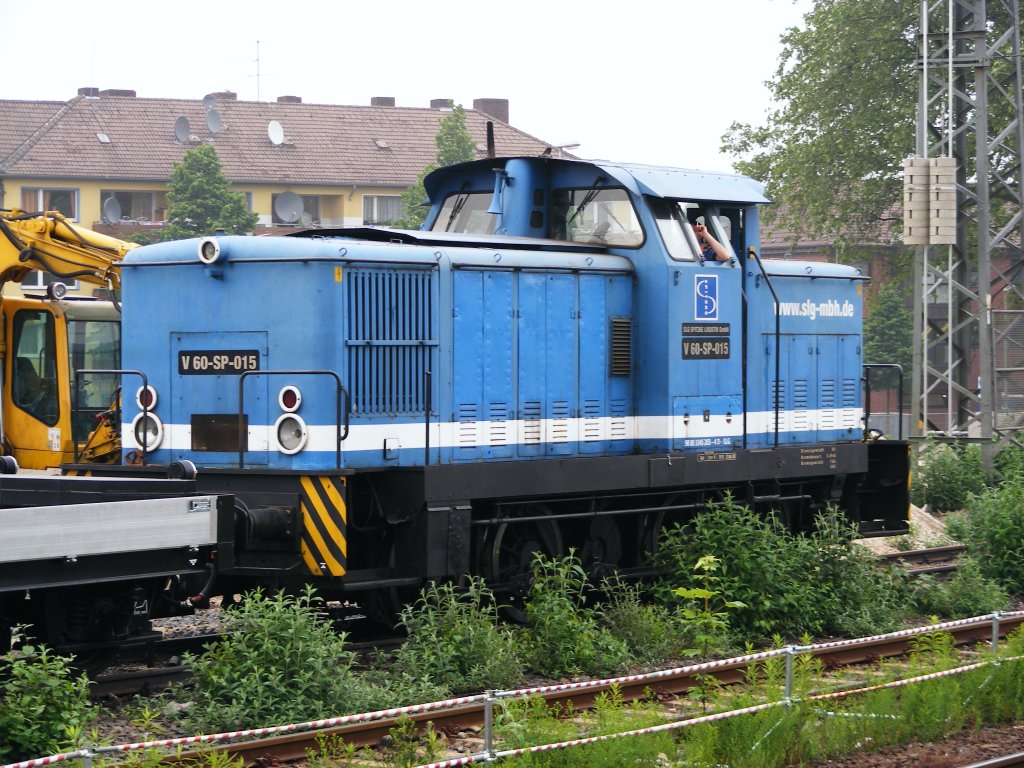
(457, 208)
(587, 200)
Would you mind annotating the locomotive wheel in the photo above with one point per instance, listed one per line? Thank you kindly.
(508, 560)
(602, 550)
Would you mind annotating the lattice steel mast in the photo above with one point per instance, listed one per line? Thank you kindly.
(968, 378)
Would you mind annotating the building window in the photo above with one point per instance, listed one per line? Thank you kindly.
(283, 213)
(38, 199)
(135, 207)
(38, 281)
(382, 209)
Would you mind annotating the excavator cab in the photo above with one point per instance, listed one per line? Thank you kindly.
(44, 418)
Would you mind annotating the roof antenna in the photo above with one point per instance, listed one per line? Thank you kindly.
(257, 70)
(490, 139)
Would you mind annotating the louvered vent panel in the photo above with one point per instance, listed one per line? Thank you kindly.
(497, 430)
(800, 416)
(532, 423)
(592, 421)
(390, 321)
(850, 403)
(619, 412)
(560, 422)
(622, 346)
(467, 424)
(827, 405)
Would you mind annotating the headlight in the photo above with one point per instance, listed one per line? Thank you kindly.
(209, 250)
(291, 433)
(148, 431)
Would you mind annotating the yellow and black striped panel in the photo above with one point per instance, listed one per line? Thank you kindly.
(324, 515)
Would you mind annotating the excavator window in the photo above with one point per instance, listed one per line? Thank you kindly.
(34, 378)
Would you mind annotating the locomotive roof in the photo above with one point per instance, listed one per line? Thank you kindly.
(651, 180)
(378, 245)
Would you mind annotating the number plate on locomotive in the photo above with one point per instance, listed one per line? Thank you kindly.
(218, 361)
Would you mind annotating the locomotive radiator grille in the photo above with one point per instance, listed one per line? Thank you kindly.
(390, 338)
(324, 514)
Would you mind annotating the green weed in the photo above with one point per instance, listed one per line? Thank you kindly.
(455, 640)
(44, 703)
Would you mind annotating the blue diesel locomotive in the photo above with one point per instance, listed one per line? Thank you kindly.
(549, 363)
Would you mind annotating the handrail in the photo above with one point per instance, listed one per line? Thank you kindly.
(778, 344)
(867, 393)
(341, 435)
(120, 372)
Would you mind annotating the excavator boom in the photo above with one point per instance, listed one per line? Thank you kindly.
(48, 413)
(48, 242)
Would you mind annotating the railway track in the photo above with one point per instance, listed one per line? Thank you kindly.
(938, 561)
(469, 717)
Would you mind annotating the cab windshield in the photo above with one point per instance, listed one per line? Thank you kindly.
(597, 215)
(466, 212)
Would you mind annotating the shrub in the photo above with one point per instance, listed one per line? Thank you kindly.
(1009, 464)
(858, 597)
(944, 476)
(968, 593)
(761, 566)
(43, 701)
(792, 584)
(277, 663)
(455, 641)
(564, 637)
(992, 528)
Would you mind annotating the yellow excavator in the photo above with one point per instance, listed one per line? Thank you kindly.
(54, 351)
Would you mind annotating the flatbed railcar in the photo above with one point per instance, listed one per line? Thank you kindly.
(549, 364)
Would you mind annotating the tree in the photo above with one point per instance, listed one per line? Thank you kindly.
(889, 336)
(200, 201)
(454, 145)
(832, 151)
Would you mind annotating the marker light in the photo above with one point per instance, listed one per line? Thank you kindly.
(289, 398)
(291, 433)
(148, 431)
(145, 398)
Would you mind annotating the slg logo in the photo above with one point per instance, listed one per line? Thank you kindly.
(705, 298)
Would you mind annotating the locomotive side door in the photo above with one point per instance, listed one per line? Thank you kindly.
(706, 357)
(205, 371)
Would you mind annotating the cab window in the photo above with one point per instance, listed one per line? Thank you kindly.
(675, 220)
(466, 212)
(596, 215)
(93, 345)
(34, 367)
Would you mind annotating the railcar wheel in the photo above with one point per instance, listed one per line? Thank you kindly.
(508, 558)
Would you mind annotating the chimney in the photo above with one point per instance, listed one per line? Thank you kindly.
(117, 92)
(496, 108)
(289, 99)
(89, 92)
(224, 95)
(440, 103)
(382, 101)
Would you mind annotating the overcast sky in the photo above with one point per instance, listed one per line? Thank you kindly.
(649, 81)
